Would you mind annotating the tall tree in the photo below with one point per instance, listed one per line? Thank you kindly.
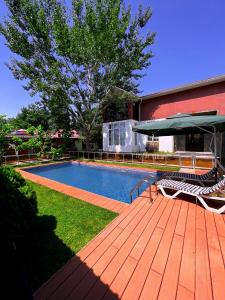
(73, 58)
(33, 115)
(4, 130)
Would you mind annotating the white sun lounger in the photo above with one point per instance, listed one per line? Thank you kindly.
(194, 190)
(201, 179)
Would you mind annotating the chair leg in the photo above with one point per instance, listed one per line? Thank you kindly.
(162, 189)
(218, 211)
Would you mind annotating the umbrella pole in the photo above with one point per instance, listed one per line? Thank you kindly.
(215, 150)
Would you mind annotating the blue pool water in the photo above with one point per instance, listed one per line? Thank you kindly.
(110, 182)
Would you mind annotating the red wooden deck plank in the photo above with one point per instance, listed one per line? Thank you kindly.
(169, 284)
(152, 286)
(160, 259)
(68, 286)
(119, 259)
(148, 252)
(203, 287)
(146, 235)
(151, 236)
(99, 290)
(181, 222)
(59, 277)
(83, 286)
(187, 270)
(136, 283)
(184, 294)
(121, 280)
(215, 257)
(220, 226)
(82, 289)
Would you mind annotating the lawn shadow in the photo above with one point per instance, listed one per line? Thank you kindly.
(45, 253)
(75, 280)
(50, 263)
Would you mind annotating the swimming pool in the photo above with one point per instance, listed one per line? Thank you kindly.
(110, 182)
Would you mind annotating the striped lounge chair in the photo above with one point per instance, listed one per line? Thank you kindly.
(201, 179)
(194, 190)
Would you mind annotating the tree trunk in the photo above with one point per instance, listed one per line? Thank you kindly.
(87, 142)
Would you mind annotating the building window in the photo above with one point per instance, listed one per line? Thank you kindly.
(152, 138)
(122, 134)
(110, 135)
(117, 134)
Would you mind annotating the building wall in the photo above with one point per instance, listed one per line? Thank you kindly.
(166, 143)
(201, 99)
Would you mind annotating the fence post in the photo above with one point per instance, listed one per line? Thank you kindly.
(180, 164)
(193, 162)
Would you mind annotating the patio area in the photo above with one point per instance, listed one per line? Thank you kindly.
(171, 249)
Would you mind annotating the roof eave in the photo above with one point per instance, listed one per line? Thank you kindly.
(185, 87)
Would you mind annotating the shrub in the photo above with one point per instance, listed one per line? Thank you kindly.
(18, 205)
(56, 153)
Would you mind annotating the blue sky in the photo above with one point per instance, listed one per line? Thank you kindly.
(189, 46)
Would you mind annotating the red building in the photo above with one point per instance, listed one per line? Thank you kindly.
(199, 98)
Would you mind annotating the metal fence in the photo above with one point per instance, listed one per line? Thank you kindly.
(19, 158)
(173, 160)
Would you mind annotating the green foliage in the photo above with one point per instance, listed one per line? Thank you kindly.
(4, 130)
(40, 141)
(56, 153)
(74, 59)
(16, 144)
(33, 115)
(18, 205)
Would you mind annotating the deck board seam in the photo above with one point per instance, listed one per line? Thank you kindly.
(210, 263)
(169, 248)
(128, 254)
(102, 240)
(132, 257)
(216, 226)
(138, 236)
(142, 206)
(150, 268)
(183, 239)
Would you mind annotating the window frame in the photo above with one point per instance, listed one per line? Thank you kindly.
(117, 134)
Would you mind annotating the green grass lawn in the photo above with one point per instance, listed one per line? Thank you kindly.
(64, 225)
(136, 165)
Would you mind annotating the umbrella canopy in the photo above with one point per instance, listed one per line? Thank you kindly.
(182, 124)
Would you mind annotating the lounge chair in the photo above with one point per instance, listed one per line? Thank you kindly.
(194, 190)
(208, 177)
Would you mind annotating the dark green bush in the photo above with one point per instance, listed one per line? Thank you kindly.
(18, 205)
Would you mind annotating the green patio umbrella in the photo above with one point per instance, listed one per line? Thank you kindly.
(184, 124)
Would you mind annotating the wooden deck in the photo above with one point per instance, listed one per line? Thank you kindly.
(171, 249)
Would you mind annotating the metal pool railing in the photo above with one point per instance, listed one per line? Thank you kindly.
(138, 185)
(173, 160)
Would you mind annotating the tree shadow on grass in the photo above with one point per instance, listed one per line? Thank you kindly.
(45, 253)
(29, 270)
